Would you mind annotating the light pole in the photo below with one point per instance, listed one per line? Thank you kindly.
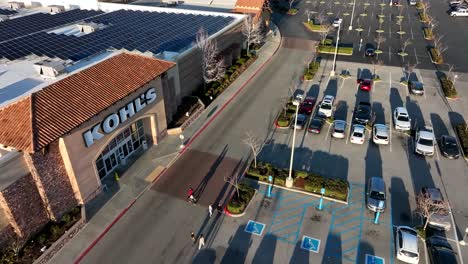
(332, 73)
(352, 15)
(454, 80)
(463, 243)
(289, 180)
(181, 136)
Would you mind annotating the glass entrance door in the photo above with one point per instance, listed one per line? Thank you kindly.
(110, 161)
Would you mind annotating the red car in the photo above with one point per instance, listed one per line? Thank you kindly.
(307, 106)
(365, 85)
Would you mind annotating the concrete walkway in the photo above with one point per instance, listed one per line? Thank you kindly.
(107, 209)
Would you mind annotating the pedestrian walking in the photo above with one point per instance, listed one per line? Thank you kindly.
(210, 209)
(201, 242)
(191, 198)
(192, 235)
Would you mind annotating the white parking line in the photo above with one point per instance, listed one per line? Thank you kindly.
(389, 53)
(328, 132)
(409, 22)
(349, 133)
(435, 141)
(416, 55)
(368, 32)
(390, 119)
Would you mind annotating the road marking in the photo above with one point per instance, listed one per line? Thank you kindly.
(328, 132)
(416, 55)
(390, 119)
(409, 21)
(349, 132)
(368, 32)
(389, 54)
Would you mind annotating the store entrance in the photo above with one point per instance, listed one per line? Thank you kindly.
(120, 148)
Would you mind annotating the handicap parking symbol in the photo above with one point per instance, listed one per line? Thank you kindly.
(370, 259)
(255, 228)
(310, 244)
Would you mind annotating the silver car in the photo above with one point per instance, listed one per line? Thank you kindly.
(441, 219)
(406, 241)
(376, 194)
(339, 128)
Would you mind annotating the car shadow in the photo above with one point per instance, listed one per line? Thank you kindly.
(400, 204)
(266, 251)
(332, 88)
(379, 113)
(341, 111)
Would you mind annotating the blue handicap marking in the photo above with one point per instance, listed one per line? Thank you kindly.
(255, 228)
(310, 244)
(370, 259)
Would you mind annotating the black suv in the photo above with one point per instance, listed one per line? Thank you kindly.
(440, 251)
(363, 113)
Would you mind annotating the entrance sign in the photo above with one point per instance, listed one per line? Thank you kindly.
(114, 120)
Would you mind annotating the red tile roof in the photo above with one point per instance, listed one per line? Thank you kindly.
(258, 4)
(46, 115)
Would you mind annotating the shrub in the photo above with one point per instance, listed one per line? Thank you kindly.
(448, 88)
(240, 61)
(435, 55)
(423, 18)
(419, 5)
(237, 204)
(56, 231)
(428, 33)
(462, 133)
(421, 232)
(292, 11)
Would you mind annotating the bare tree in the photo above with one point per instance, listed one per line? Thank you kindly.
(254, 143)
(439, 46)
(212, 64)
(432, 22)
(377, 65)
(16, 245)
(252, 31)
(450, 75)
(409, 70)
(233, 180)
(401, 8)
(320, 18)
(426, 207)
(291, 2)
(324, 30)
(405, 45)
(425, 7)
(308, 13)
(379, 40)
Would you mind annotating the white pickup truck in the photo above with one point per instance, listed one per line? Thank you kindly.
(459, 12)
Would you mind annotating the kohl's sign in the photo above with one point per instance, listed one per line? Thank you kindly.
(114, 120)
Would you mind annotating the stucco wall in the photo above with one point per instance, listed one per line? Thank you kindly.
(81, 159)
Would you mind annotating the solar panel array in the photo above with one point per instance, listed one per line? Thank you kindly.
(131, 30)
(7, 12)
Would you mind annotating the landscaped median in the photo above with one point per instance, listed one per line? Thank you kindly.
(436, 57)
(315, 27)
(303, 181)
(462, 132)
(240, 200)
(448, 88)
(428, 33)
(285, 117)
(329, 48)
(311, 70)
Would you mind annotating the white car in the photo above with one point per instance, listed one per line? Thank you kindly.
(326, 106)
(406, 241)
(401, 119)
(339, 128)
(459, 12)
(358, 135)
(337, 22)
(425, 141)
(381, 134)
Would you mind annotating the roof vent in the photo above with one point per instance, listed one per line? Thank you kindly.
(16, 5)
(4, 18)
(55, 9)
(89, 27)
(49, 68)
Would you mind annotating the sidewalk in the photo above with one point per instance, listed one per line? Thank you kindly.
(106, 209)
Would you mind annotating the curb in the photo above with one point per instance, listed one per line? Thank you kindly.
(226, 211)
(125, 210)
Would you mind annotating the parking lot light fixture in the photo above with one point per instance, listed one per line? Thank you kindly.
(352, 16)
(332, 73)
(289, 180)
(462, 242)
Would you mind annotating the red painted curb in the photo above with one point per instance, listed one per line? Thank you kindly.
(121, 214)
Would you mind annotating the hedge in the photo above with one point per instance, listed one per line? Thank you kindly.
(237, 204)
(292, 11)
(310, 72)
(462, 133)
(428, 33)
(331, 49)
(435, 56)
(448, 88)
(313, 27)
(335, 188)
(423, 18)
(419, 5)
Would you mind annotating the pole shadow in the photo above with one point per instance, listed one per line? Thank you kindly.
(238, 248)
(266, 251)
(333, 250)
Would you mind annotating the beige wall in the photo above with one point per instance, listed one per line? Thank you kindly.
(80, 160)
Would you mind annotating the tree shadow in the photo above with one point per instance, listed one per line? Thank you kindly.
(365, 248)
(205, 256)
(332, 87)
(201, 186)
(401, 209)
(238, 248)
(395, 98)
(299, 255)
(266, 251)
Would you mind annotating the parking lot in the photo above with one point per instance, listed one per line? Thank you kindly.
(404, 172)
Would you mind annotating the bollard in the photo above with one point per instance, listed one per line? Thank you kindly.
(270, 180)
(377, 214)
(322, 191)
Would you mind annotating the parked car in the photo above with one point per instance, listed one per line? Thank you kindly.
(416, 87)
(441, 219)
(326, 106)
(440, 251)
(301, 121)
(363, 113)
(365, 84)
(315, 125)
(370, 50)
(376, 194)
(449, 147)
(394, 2)
(456, 6)
(381, 134)
(406, 244)
(425, 141)
(337, 22)
(459, 12)
(339, 128)
(358, 135)
(456, 2)
(401, 119)
(307, 106)
(412, 2)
